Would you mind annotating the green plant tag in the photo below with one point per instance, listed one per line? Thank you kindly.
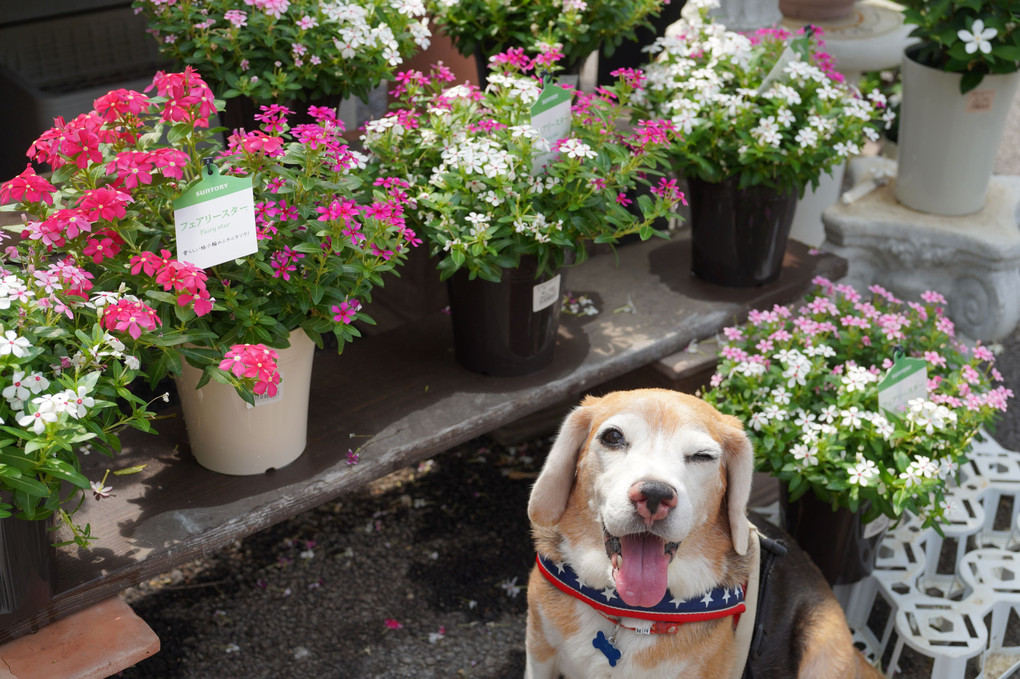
(907, 379)
(215, 220)
(550, 115)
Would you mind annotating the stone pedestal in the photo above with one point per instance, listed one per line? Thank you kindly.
(872, 38)
(973, 260)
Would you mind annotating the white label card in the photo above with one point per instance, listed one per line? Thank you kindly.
(545, 294)
(980, 101)
(907, 379)
(215, 220)
(550, 114)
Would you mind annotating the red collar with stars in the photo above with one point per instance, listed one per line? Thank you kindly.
(666, 616)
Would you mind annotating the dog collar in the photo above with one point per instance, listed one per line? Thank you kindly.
(666, 616)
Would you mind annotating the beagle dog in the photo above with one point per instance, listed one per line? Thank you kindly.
(647, 565)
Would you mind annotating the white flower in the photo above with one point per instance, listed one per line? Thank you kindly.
(37, 420)
(829, 414)
(132, 362)
(852, 417)
(857, 378)
(804, 454)
(100, 490)
(78, 402)
(17, 389)
(863, 471)
(13, 344)
(806, 137)
(757, 420)
(977, 38)
(575, 148)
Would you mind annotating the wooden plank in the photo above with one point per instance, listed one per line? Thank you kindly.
(400, 397)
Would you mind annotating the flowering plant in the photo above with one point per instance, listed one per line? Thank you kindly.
(805, 381)
(64, 371)
(323, 237)
(767, 107)
(485, 195)
(278, 50)
(971, 37)
(579, 27)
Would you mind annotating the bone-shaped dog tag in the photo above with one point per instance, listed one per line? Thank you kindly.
(605, 645)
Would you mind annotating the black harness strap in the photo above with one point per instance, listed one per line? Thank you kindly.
(771, 551)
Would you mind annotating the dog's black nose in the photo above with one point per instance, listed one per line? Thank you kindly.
(653, 499)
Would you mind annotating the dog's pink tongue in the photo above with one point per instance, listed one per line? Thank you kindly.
(641, 579)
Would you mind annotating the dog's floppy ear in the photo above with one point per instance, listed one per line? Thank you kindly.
(551, 491)
(739, 471)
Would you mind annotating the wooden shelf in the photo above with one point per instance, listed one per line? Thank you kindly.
(401, 398)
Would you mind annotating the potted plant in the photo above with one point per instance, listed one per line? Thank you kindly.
(289, 256)
(501, 203)
(287, 51)
(65, 367)
(959, 81)
(761, 117)
(482, 29)
(863, 401)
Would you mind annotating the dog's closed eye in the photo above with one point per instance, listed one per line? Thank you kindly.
(702, 456)
(611, 437)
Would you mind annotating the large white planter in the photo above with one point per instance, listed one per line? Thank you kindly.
(230, 437)
(948, 141)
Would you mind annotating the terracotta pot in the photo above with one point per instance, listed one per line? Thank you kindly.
(816, 10)
(738, 236)
(508, 328)
(231, 437)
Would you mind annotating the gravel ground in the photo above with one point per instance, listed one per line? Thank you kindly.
(420, 575)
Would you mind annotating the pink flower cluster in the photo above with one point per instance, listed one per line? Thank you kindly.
(130, 316)
(182, 277)
(253, 361)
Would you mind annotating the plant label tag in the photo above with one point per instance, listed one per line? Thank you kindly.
(907, 379)
(788, 56)
(545, 294)
(980, 101)
(550, 115)
(876, 527)
(215, 220)
(263, 400)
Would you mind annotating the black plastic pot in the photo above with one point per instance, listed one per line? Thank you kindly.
(26, 574)
(497, 330)
(833, 539)
(738, 236)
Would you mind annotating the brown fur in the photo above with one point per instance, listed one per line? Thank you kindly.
(809, 637)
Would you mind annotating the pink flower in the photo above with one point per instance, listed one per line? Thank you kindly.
(254, 361)
(131, 316)
(392, 624)
(27, 187)
(105, 245)
(345, 311)
(104, 203)
(117, 105)
(170, 162)
(131, 169)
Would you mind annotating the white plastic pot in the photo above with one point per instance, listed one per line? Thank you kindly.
(229, 436)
